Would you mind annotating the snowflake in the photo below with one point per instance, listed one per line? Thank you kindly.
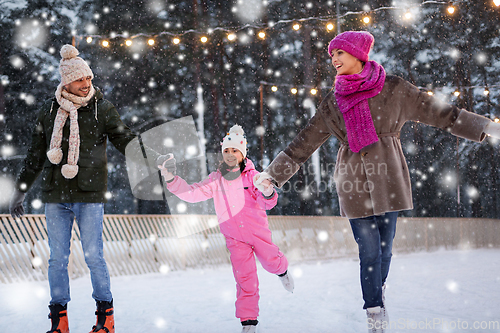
(322, 236)
(36, 204)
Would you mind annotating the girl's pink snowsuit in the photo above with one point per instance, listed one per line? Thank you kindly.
(241, 212)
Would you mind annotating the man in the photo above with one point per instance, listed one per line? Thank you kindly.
(69, 149)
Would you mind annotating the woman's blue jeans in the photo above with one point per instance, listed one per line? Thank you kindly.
(89, 217)
(374, 235)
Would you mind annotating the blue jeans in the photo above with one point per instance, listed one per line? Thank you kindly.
(374, 235)
(89, 217)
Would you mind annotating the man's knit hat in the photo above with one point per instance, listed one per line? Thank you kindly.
(356, 43)
(235, 139)
(71, 66)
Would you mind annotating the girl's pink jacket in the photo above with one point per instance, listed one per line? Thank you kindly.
(240, 206)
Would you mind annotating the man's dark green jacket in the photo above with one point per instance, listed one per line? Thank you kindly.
(98, 122)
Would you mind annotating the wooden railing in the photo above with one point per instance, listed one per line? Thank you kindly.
(139, 244)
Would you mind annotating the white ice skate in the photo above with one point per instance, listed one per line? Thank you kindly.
(249, 326)
(287, 281)
(377, 320)
(249, 329)
(383, 294)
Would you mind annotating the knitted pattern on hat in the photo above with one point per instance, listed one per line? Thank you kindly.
(352, 93)
(72, 67)
(356, 43)
(68, 106)
(235, 139)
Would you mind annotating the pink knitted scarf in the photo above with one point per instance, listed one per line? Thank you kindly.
(68, 107)
(352, 93)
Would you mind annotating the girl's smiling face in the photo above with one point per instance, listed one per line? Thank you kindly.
(345, 63)
(232, 157)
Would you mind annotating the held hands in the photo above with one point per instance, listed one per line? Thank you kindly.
(16, 204)
(262, 182)
(166, 164)
(493, 129)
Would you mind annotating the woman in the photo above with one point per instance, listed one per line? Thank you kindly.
(366, 111)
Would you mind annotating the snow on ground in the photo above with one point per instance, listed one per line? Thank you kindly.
(443, 291)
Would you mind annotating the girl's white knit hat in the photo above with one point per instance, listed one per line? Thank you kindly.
(235, 139)
(72, 67)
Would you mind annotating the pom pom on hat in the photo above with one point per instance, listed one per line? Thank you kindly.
(72, 67)
(237, 129)
(69, 52)
(356, 43)
(235, 139)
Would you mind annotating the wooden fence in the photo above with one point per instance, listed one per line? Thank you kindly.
(139, 244)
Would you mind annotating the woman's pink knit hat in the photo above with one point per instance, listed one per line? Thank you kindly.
(356, 43)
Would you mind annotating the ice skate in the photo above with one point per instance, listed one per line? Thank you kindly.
(105, 322)
(59, 318)
(249, 326)
(377, 320)
(287, 281)
(383, 293)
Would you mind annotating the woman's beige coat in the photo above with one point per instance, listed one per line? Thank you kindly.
(375, 180)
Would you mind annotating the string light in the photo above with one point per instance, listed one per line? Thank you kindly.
(151, 42)
(231, 37)
(105, 43)
(314, 91)
(366, 19)
(128, 42)
(89, 40)
(176, 40)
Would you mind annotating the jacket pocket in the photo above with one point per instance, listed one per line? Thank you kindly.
(47, 184)
(92, 179)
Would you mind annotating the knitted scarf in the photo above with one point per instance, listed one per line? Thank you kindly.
(352, 93)
(68, 106)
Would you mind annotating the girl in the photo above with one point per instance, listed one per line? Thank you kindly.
(241, 211)
(366, 111)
